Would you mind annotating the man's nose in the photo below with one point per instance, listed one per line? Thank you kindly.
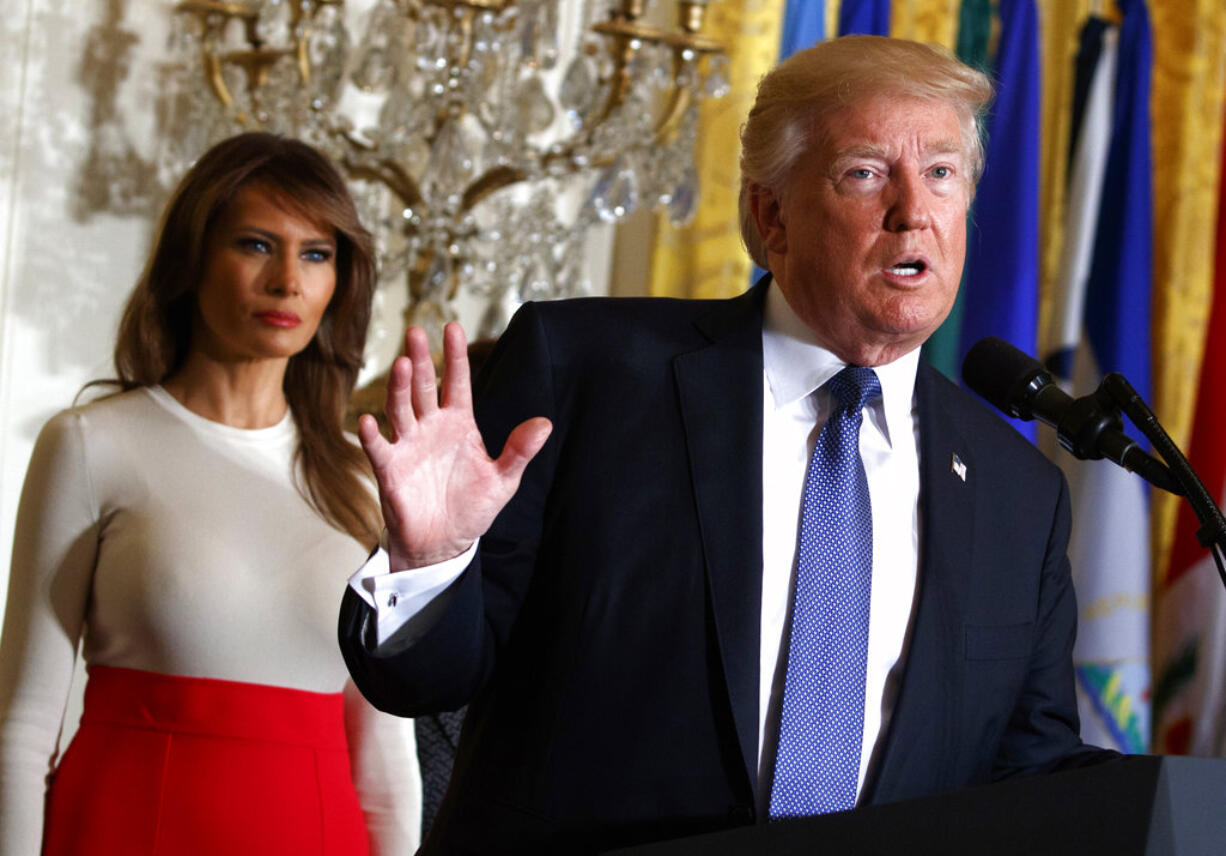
(909, 204)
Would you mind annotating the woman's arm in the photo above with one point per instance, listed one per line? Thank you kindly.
(54, 549)
(386, 775)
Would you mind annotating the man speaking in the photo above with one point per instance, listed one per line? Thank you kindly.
(736, 560)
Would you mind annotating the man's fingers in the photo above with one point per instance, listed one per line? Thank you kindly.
(373, 443)
(424, 387)
(399, 404)
(521, 447)
(457, 382)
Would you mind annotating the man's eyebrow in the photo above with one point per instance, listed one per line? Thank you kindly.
(945, 147)
(864, 150)
(870, 150)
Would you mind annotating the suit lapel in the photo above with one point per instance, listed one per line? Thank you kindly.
(720, 393)
(923, 727)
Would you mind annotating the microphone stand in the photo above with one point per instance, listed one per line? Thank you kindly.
(1212, 532)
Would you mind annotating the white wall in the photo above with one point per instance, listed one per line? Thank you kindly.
(76, 198)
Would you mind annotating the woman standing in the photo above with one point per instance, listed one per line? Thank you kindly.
(192, 533)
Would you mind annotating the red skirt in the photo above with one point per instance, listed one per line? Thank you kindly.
(170, 765)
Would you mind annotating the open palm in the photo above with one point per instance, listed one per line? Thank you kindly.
(439, 488)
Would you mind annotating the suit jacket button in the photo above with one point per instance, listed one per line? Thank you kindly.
(742, 815)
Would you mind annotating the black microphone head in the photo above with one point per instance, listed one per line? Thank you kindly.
(1006, 377)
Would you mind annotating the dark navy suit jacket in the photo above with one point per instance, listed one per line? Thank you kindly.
(607, 635)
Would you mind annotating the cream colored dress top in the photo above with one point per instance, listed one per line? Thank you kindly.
(170, 543)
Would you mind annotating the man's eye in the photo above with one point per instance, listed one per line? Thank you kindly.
(862, 172)
(941, 172)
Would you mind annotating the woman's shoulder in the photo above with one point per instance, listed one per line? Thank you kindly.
(83, 444)
(111, 400)
(100, 409)
(120, 425)
(104, 408)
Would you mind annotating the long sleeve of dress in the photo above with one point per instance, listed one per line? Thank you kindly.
(54, 550)
(383, 755)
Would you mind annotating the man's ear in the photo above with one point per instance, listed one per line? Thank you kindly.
(768, 216)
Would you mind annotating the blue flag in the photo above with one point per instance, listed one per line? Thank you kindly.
(804, 25)
(1001, 291)
(868, 17)
(1119, 289)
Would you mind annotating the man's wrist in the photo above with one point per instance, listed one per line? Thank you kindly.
(399, 560)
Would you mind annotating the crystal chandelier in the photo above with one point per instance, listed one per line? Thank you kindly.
(481, 146)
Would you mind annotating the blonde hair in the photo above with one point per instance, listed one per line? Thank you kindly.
(155, 331)
(797, 94)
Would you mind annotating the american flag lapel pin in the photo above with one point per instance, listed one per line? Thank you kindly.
(957, 467)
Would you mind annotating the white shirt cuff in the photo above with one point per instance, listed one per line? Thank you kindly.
(397, 596)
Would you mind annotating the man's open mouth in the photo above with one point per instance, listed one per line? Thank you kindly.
(914, 268)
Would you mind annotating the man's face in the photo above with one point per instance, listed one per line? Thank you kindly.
(868, 237)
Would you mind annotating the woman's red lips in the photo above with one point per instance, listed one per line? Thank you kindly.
(279, 319)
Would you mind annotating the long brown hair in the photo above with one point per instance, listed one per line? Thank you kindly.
(155, 331)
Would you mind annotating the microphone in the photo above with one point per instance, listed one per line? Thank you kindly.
(1090, 427)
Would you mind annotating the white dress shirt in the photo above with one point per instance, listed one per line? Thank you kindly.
(794, 411)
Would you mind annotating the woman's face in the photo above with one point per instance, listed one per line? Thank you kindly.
(268, 277)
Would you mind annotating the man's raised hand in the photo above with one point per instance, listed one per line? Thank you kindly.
(439, 489)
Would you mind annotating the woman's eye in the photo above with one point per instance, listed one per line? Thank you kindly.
(317, 255)
(255, 245)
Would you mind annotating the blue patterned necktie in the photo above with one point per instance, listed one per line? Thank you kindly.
(821, 726)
